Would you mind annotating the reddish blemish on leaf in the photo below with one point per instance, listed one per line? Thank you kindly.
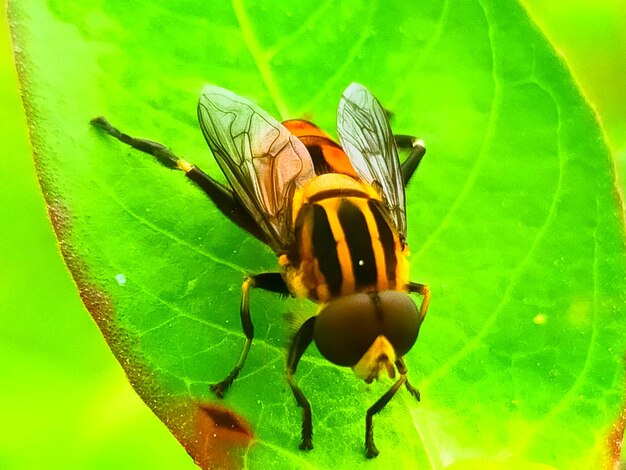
(95, 299)
(221, 435)
(615, 440)
(616, 437)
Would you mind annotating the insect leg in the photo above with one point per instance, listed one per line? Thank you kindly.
(404, 141)
(268, 281)
(221, 196)
(418, 150)
(403, 371)
(299, 343)
(370, 449)
(423, 290)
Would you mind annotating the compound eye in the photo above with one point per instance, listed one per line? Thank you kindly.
(346, 328)
(400, 320)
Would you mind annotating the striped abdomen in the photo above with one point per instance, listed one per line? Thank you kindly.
(345, 244)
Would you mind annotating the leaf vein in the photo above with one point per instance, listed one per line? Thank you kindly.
(173, 237)
(350, 57)
(425, 52)
(285, 41)
(259, 57)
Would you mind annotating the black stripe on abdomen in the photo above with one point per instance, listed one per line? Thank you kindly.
(320, 165)
(386, 240)
(325, 250)
(359, 244)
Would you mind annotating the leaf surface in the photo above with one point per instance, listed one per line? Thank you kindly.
(513, 220)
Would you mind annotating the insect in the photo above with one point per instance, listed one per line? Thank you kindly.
(335, 216)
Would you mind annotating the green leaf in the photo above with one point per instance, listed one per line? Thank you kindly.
(514, 222)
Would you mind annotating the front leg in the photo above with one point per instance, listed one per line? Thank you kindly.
(269, 281)
(299, 343)
(403, 371)
(424, 291)
(370, 448)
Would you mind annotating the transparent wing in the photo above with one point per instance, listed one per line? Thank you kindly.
(366, 137)
(263, 162)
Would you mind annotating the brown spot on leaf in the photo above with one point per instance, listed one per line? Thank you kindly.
(220, 438)
(616, 436)
(615, 439)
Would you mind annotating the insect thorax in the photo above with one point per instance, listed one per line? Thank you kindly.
(344, 242)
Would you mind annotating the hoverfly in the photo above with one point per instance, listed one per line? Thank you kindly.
(335, 217)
